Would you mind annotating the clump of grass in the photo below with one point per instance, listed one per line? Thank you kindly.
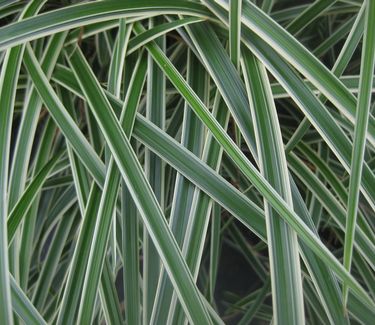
(202, 161)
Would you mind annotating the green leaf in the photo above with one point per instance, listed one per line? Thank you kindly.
(155, 31)
(282, 240)
(310, 13)
(26, 200)
(235, 31)
(155, 172)
(182, 201)
(23, 306)
(73, 287)
(63, 119)
(359, 142)
(89, 12)
(8, 85)
(43, 284)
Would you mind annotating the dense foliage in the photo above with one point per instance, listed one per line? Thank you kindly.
(165, 161)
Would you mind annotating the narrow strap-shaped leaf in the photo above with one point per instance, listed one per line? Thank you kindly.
(130, 238)
(340, 144)
(204, 177)
(282, 241)
(8, 85)
(335, 37)
(29, 122)
(183, 191)
(216, 69)
(73, 286)
(230, 85)
(10, 8)
(310, 13)
(50, 264)
(314, 308)
(362, 119)
(23, 306)
(267, 5)
(214, 249)
(350, 82)
(322, 276)
(63, 119)
(7, 2)
(23, 149)
(235, 31)
(79, 179)
(155, 172)
(82, 251)
(57, 182)
(338, 68)
(200, 211)
(81, 33)
(334, 182)
(99, 244)
(153, 138)
(118, 60)
(211, 62)
(251, 312)
(351, 43)
(89, 12)
(363, 243)
(129, 213)
(106, 209)
(152, 33)
(108, 295)
(240, 241)
(114, 86)
(116, 71)
(26, 200)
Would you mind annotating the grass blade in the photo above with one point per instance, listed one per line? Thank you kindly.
(184, 189)
(310, 13)
(63, 119)
(359, 142)
(282, 241)
(89, 12)
(155, 172)
(77, 270)
(23, 306)
(235, 31)
(26, 200)
(8, 84)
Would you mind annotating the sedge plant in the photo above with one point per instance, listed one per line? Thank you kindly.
(187, 161)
